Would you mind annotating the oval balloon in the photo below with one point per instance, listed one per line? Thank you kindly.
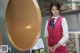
(23, 23)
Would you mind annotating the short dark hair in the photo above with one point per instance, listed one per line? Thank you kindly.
(55, 4)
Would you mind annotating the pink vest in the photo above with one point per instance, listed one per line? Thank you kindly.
(55, 34)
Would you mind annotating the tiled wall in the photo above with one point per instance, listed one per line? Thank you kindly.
(71, 44)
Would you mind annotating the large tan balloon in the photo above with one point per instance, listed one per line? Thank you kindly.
(23, 23)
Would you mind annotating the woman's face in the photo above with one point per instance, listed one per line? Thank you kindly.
(55, 11)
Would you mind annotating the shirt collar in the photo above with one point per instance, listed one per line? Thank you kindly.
(56, 17)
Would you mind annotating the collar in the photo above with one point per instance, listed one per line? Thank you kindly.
(56, 17)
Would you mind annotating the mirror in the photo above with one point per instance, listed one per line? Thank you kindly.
(23, 23)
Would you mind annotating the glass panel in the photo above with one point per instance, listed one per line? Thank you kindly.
(72, 21)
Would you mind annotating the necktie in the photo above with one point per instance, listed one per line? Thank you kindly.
(52, 23)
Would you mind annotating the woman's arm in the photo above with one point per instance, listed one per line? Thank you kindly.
(46, 33)
(65, 32)
(46, 36)
(49, 48)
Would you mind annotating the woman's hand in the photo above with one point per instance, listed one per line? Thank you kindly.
(50, 48)
(55, 47)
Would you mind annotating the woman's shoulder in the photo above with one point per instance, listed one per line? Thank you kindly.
(63, 18)
(49, 19)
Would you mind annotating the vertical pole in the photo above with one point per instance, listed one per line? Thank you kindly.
(73, 5)
(77, 42)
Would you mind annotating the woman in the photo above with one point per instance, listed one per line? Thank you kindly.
(56, 31)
